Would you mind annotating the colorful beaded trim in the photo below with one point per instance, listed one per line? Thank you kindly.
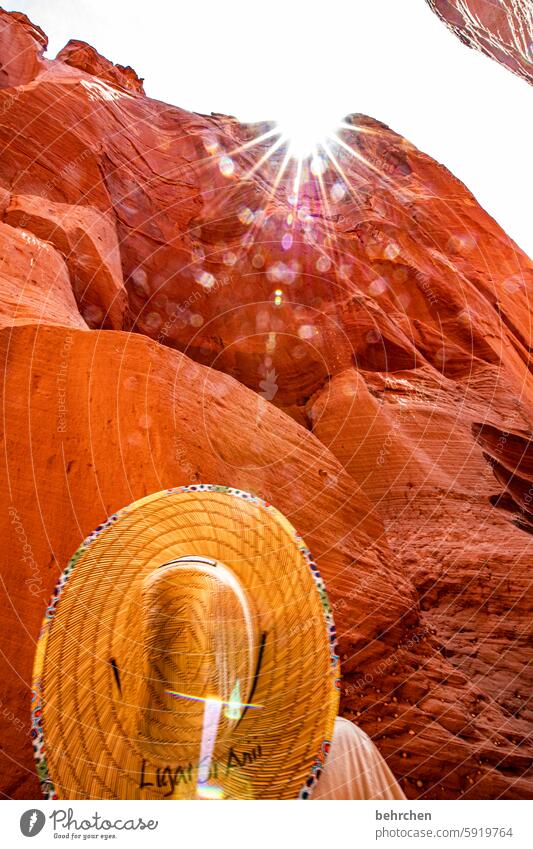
(37, 736)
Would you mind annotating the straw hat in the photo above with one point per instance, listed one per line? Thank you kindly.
(188, 652)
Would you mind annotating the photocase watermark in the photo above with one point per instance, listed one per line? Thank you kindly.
(428, 290)
(304, 627)
(369, 677)
(182, 310)
(339, 604)
(387, 444)
(35, 581)
(399, 414)
(32, 822)
(65, 825)
(64, 173)
(61, 384)
(65, 820)
(11, 717)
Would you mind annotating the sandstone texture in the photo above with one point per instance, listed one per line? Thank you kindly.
(502, 30)
(34, 282)
(87, 240)
(80, 55)
(348, 338)
(22, 45)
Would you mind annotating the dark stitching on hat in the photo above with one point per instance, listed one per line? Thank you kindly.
(194, 558)
(256, 675)
(116, 673)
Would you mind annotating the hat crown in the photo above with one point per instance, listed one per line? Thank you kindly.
(197, 646)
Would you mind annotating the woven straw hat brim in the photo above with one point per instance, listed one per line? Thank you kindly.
(84, 721)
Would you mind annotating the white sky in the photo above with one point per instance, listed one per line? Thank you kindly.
(261, 59)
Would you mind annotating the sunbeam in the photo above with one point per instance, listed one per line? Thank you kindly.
(302, 130)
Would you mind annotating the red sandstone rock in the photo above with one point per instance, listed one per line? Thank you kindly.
(34, 282)
(502, 30)
(88, 241)
(22, 45)
(511, 457)
(80, 55)
(381, 310)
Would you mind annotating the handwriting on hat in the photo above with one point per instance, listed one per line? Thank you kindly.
(172, 776)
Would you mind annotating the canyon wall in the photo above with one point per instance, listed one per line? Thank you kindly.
(501, 30)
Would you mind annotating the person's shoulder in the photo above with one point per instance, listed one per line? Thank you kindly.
(346, 725)
(342, 722)
(348, 731)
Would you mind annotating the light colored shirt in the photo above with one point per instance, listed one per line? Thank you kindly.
(354, 768)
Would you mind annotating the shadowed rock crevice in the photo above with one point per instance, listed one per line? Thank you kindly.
(510, 455)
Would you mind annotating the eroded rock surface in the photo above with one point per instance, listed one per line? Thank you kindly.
(350, 340)
(80, 55)
(34, 282)
(22, 45)
(502, 30)
(87, 240)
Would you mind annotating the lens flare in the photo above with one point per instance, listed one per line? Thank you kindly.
(305, 129)
(209, 699)
(209, 791)
(212, 710)
(233, 708)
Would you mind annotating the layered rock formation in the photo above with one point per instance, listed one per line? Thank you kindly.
(86, 239)
(502, 30)
(349, 339)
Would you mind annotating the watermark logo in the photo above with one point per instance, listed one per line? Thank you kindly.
(32, 822)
